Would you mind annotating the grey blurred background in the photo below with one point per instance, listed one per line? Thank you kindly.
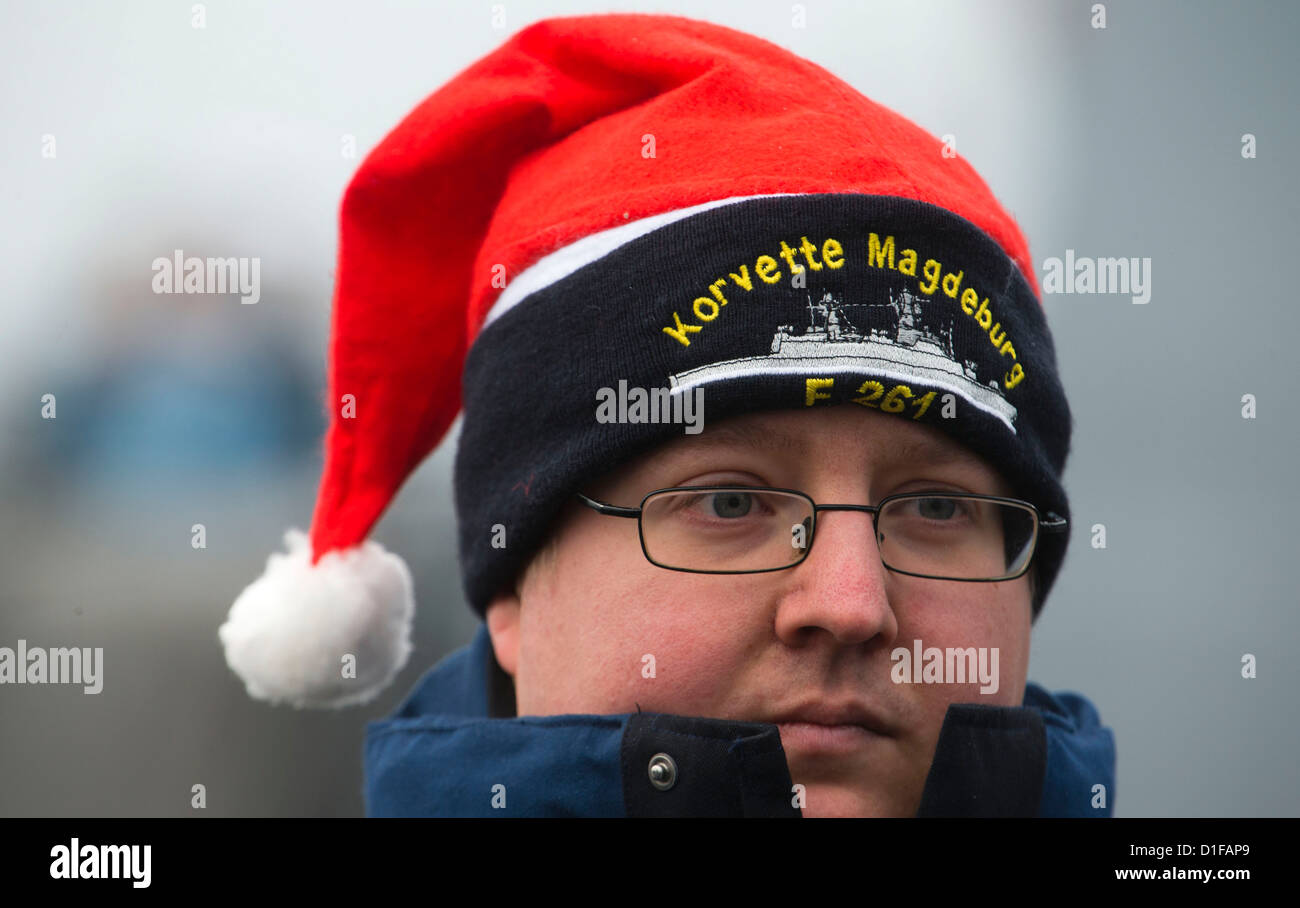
(174, 410)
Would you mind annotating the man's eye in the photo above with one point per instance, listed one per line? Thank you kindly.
(731, 504)
(937, 508)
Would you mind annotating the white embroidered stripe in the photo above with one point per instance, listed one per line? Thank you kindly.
(990, 402)
(562, 262)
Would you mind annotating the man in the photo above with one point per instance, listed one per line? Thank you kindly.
(818, 601)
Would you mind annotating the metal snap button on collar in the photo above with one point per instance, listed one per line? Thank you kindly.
(663, 771)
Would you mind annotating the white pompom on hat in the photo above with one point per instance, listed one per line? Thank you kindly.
(331, 634)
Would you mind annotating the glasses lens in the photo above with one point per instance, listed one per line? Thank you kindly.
(957, 538)
(726, 529)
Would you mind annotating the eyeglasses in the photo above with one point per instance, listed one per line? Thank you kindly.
(736, 529)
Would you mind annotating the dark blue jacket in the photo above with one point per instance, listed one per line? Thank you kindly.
(455, 748)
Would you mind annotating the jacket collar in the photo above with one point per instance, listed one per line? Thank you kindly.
(454, 747)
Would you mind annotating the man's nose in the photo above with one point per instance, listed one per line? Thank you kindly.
(841, 587)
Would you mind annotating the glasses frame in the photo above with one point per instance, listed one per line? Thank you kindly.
(1050, 523)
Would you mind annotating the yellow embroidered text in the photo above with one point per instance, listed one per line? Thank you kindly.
(768, 270)
(883, 254)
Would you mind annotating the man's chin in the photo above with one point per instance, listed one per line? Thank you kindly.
(831, 799)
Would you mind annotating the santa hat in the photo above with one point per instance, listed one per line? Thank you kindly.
(636, 198)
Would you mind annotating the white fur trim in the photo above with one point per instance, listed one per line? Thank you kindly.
(594, 246)
(290, 631)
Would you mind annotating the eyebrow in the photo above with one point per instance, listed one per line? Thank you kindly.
(932, 451)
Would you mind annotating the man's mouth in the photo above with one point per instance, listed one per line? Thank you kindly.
(821, 728)
(809, 737)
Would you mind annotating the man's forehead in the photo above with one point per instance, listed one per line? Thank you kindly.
(793, 433)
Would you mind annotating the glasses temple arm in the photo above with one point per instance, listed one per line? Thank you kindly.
(612, 510)
(1053, 523)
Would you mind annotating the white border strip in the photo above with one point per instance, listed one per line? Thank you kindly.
(715, 373)
(562, 262)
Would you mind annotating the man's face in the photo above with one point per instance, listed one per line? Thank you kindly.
(771, 647)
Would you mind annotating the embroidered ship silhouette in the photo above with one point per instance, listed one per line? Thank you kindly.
(831, 344)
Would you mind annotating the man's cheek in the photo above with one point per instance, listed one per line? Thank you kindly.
(681, 671)
(977, 651)
(638, 657)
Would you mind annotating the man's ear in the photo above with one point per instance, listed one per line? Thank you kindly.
(503, 627)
